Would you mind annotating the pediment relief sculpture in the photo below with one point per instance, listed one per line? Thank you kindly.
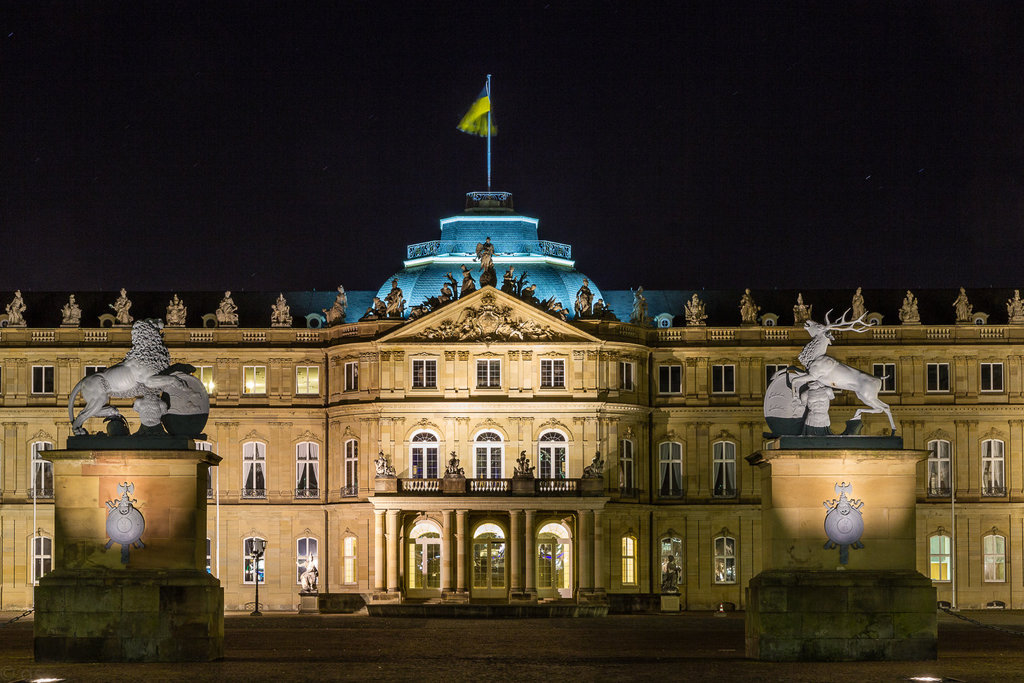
(487, 322)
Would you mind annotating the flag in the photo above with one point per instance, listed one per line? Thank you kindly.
(475, 120)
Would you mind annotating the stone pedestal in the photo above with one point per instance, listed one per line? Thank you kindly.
(669, 603)
(155, 602)
(453, 485)
(309, 603)
(523, 486)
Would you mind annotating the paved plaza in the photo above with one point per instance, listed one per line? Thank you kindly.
(684, 647)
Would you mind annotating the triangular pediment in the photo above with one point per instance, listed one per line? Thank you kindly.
(488, 315)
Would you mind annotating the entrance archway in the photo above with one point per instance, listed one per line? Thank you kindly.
(423, 570)
(554, 561)
(489, 567)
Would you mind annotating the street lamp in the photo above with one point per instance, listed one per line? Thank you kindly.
(259, 546)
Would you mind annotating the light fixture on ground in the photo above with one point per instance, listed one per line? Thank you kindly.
(259, 546)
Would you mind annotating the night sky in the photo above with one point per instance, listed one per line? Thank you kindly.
(256, 146)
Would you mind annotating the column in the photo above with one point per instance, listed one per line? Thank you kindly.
(515, 554)
(583, 551)
(378, 551)
(446, 551)
(599, 568)
(393, 552)
(462, 517)
(531, 553)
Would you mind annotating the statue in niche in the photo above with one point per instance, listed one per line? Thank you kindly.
(384, 468)
(748, 309)
(1015, 308)
(376, 311)
(639, 316)
(801, 312)
(584, 300)
(71, 313)
(595, 470)
(857, 305)
(453, 469)
(394, 302)
(485, 254)
(176, 312)
(336, 313)
(16, 310)
(227, 311)
(121, 308)
(468, 283)
(695, 313)
(280, 313)
(963, 308)
(670, 572)
(508, 282)
(908, 311)
(524, 468)
(310, 574)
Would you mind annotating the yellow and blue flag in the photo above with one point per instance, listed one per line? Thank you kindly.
(475, 122)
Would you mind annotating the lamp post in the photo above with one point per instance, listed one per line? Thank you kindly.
(259, 546)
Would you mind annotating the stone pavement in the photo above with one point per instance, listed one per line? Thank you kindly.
(683, 647)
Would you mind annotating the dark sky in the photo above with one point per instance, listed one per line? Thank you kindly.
(255, 146)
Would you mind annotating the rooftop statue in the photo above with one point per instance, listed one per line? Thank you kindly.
(377, 310)
(508, 281)
(394, 302)
(1015, 308)
(121, 308)
(71, 313)
(468, 283)
(227, 311)
(484, 254)
(176, 312)
(908, 311)
(797, 401)
(584, 300)
(280, 313)
(15, 309)
(639, 314)
(695, 313)
(801, 312)
(963, 308)
(748, 309)
(858, 305)
(336, 313)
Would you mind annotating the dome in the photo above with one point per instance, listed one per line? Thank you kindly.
(548, 265)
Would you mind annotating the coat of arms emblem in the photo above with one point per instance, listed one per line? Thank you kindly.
(125, 523)
(844, 523)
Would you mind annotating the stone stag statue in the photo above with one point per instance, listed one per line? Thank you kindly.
(71, 313)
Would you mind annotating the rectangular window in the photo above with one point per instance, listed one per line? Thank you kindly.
(352, 376)
(626, 472)
(348, 565)
(938, 468)
(42, 557)
(42, 379)
(204, 373)
(670, 379)
(307, 470)
(552, 373)
(628, 561)
(991, 376)
(488, 373)
(769, 372)
(307, 380)
(938, 557)
(254, 460)
(992, 468)
(887, 373)
(351, 469)
(938, 376)
(424, 374)
(671, 466)
(254, 379)
(93, 369)
(724, 467)
(626, 375)
(41, 485)
(723, 379)
(725, 560)
(994, 547)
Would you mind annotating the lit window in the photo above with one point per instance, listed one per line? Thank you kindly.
(991, 376)
(938, 468)
(628, 561)
(254, 462)
(725, 559)
(626, 369)
(424, 568)
(723, 379)
(254, 379)
(938, 376)
(938, 557)
(348, 560)
(424, 374)
(627, 473)
(93, 369)
(994, 549)
(306, 557)
(205, 375)
(489, 557)
(671, 564)
(887, 373)
(552, 373)
(307, 470)
(41, 485)
(351, 469)
(670, 379)
(424, 456)
(307, 380)
(671, 475)
(42, 557)
(489, 455)
(552, 450)
(488, 373)
(992, 468)
(724, 466)
(252, 570)
(352, 376)
(42, 379)
(770, 369)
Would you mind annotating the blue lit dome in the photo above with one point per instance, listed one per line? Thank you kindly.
(548, 265)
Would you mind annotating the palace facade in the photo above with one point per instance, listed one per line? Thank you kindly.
(593, 447)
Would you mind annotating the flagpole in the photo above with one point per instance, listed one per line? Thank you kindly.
(488, 134)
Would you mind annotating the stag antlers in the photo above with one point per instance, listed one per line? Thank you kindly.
(842, 325)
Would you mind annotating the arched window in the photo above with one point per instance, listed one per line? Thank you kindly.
(423, 456)
(41, 485)
(489, 455)
(938, 557)
(724, 467)
(939, 481)
(627, 473)
(628, 560)
(424, 568)
(994, 553)
(252, 569)
(307, 556)
(307, 470)
(254, 463)
(670, 459)
(488, 558)
(992, 468)
(725, 559)
(348, 560)
(351, 468)
(42, 557)
(554, 561)
(671, 564)
(551, 450)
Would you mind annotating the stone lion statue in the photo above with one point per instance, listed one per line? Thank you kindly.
(146, 373)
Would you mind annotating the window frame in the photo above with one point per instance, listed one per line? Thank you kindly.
(257, 462)
(719, 451)
(889, 371)
(310, 370)
(351, 375)
(935, 557)
(490, 445)
(627, 467)
(349, 560)
(425, 440)
(997, 462)
(204, 373)
(627, 375)
(728, 556)
(720, 373)
(665, 469)
(994, 558)
(255, 386)
(629, 564)
(991, 367)
(46, 468)
(556, 467)
(489, 365)
(47, 383)
(769, 371)
(937, 387)
(40, 553)
(670, 374)
(256, 568)
(310, 540)
(422, 378)
(548, 374)
(306, 462)
(350, 450)
(941, 456)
